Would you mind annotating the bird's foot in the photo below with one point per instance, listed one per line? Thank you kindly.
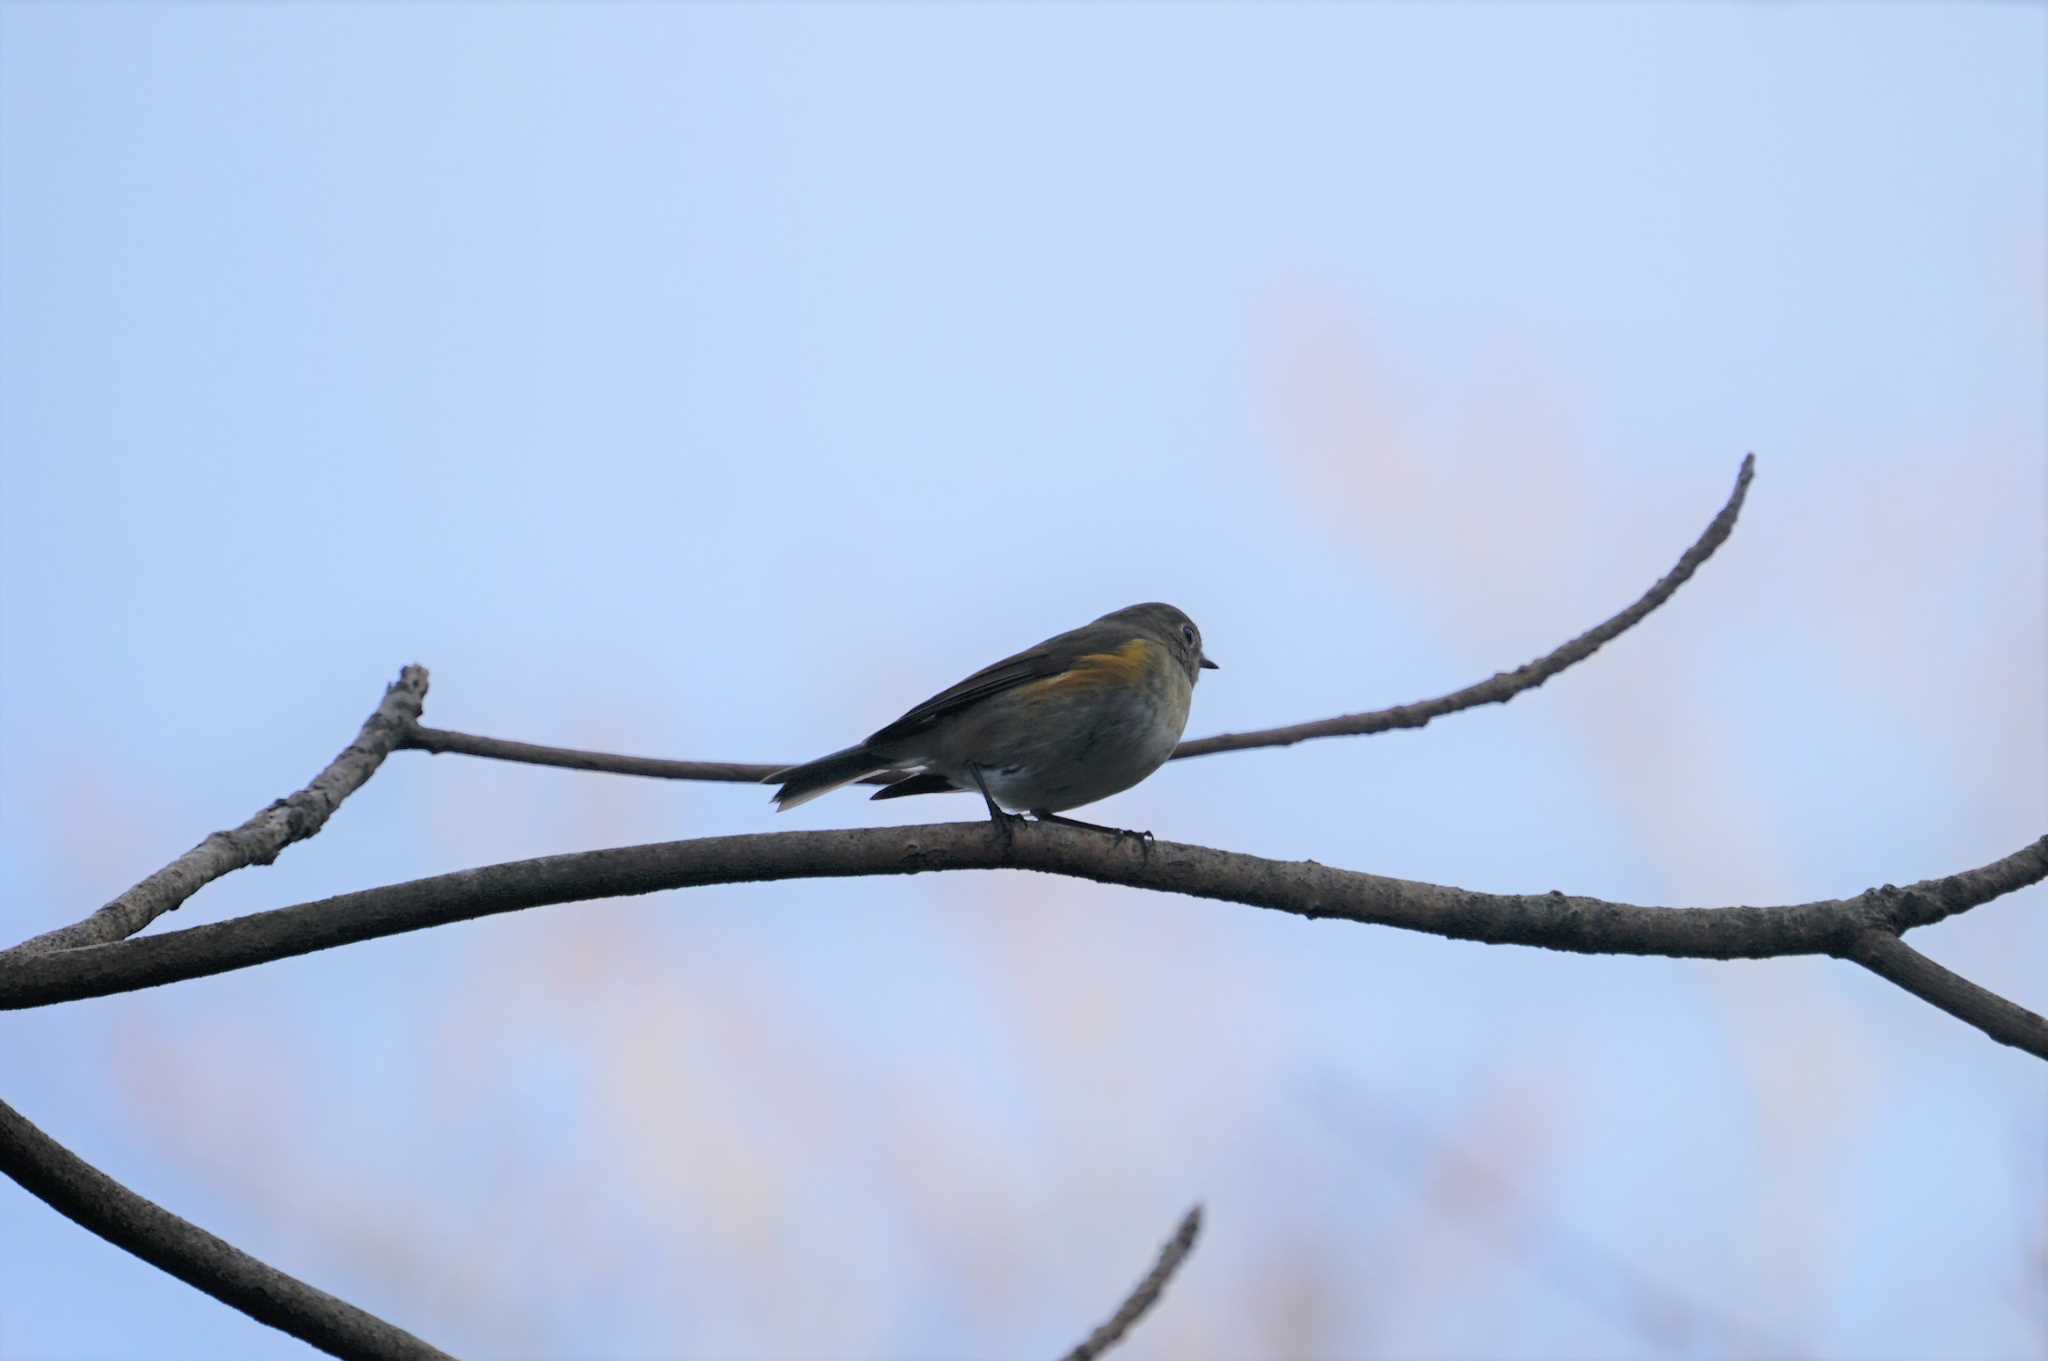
(1122, 834)
(1006, 827)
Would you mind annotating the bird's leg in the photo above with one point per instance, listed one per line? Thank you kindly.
(1005, 822)
(1144, 839)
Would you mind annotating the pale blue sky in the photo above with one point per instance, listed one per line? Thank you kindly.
(718, 382)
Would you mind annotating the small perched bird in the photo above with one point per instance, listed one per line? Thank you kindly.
(1077, 718)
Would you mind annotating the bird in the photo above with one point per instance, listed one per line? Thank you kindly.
(1079, 717)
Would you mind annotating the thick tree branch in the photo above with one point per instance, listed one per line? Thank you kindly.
(1496, 689)
(1305, 888)
(1885, 955)
(1147, 1292)
(257, 841)
(96, 1201)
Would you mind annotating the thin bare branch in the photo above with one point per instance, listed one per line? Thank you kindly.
(440, 740)
(1884, 954)
(83, 1193)
(257, 841)
(1501, 688)
(1550, 920)
(1147, 1292)
(1497, 689)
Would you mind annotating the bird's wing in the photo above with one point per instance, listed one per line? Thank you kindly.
(1049, 658)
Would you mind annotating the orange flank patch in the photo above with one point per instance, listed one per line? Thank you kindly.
(1127, 665)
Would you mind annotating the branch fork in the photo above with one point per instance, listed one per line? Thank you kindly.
(102, 953)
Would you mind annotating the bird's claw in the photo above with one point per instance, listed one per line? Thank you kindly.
(1144, 840)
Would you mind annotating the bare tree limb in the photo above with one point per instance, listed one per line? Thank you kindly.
(1884, 954)
(440, 741)
(1501, 688)
(1305, 888)
(101, 954)
(257, 841)
(97, 1202)
(1147, 1292)
(1496, 689)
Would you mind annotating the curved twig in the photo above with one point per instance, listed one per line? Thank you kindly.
(1496, 689)
(83, 1193)
(1147, 1292)
(257, 841)
(1305, 888)
(1501, 688)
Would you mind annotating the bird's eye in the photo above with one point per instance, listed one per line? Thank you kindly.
(1187, 631)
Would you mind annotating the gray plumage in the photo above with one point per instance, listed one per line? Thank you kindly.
(1083, 715)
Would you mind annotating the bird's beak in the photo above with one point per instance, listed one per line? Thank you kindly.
(1208, 665)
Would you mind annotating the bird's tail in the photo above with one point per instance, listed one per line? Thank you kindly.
(801, 784)
(929, 783)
